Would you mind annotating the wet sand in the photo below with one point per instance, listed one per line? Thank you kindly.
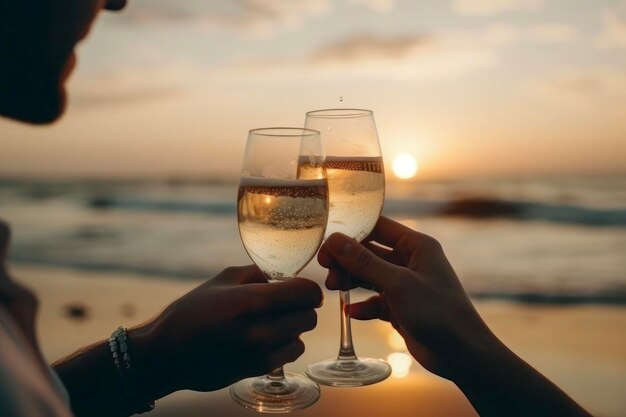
(581, 348)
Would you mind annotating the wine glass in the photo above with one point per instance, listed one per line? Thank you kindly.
(356, 182)
(282, 210)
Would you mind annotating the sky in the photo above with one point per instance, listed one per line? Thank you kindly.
(470, 88)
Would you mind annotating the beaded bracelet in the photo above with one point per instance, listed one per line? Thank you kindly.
(118, 343)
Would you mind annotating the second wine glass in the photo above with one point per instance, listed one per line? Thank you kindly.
(356, 184)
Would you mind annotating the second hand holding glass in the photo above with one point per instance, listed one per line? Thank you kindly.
(356, 182)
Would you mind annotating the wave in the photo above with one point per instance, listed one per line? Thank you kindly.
(198, 207)
(471, 208)
(488, 208)
(92, 266)
(606, 297)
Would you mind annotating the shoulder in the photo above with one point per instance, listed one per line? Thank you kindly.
(24, 390)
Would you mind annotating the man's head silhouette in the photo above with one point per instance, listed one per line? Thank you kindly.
(37, 40)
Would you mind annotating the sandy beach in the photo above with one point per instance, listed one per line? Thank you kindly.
(582, 349)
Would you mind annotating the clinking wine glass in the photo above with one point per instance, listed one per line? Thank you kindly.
(356, 182)
(282, 208)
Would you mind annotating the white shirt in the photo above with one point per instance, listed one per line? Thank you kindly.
(25, 388)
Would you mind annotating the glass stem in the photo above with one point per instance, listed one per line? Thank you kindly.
(277, 375)
(346, 350)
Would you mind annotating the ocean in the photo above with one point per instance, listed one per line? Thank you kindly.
(534, 240)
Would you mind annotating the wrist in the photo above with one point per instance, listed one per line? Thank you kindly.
(152, 379)
(471, 350)
(476, 358)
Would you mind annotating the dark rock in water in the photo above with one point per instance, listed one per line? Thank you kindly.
(100, 202)
(481, 208)
(76, 311)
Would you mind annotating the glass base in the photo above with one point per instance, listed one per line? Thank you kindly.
(349, 372)
(265, 395)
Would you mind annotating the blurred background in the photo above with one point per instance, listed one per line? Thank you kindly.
(503, 128)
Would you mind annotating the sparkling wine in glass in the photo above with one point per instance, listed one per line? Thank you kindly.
(282, 209)
(356, 183)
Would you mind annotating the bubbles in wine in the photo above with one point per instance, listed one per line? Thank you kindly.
(357, 191)
(282, 222)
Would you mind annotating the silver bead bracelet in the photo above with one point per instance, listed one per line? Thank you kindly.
(118, 343)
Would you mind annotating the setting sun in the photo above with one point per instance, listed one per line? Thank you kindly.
(404, 166)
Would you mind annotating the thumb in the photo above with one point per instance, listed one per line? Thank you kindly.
(357, 260)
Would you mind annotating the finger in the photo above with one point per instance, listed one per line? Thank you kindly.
(115, 5)
(285, 354)
(240, 275)
(379, 251)
(283, 329)
(389, 232)
(5, 236)
(359, 261)
(337, 279)
(293, 294)
(249, 274)
(372, 308)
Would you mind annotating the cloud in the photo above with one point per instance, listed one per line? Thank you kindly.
(551, 33)
(368, 47)
(506, 34)
(445, 54)
(582, 86)
(613, 33)
(381, 6)
(257, 17)
(492, 7)
(369, 56)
